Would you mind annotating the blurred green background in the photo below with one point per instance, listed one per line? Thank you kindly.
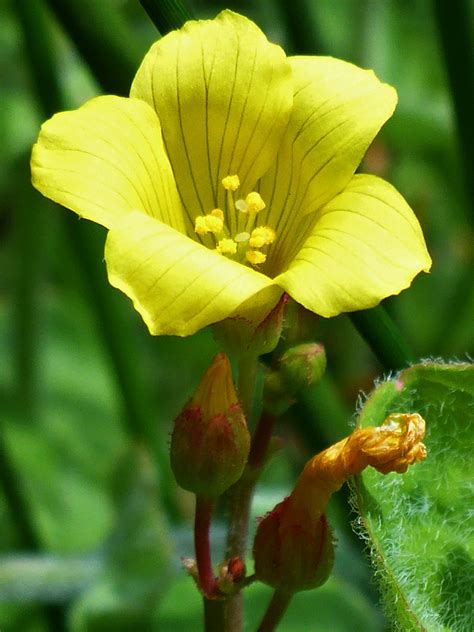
(92, 525)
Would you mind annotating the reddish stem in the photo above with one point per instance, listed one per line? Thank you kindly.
(240, 501)
(275, 611)
(260, 440)
(202, 523)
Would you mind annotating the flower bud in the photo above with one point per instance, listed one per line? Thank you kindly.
(231, 575)
(299, 367)
(210, 441)
(292, 555)
(303, 365)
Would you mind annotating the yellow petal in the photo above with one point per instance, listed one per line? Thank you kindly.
(177, 285)
(338, 110)
(223, 95)
(366, 245)
(106, 159)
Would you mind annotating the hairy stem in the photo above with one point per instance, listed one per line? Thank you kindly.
(240, 504)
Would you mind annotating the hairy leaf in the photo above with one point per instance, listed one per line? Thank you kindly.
(419, 525)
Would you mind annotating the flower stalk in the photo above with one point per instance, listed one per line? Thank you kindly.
(240, 504)
(276, 609)
(202, 524)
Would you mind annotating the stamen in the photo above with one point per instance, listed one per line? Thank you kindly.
(226, 247)
(200, 225)
(213, 223)
(255, 257)
(231, 183)
(255, 202)
(262, 236)
(238, 240)
(217, 213)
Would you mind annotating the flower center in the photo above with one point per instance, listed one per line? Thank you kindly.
(242, 240)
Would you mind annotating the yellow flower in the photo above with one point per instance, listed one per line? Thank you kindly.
(219, 118)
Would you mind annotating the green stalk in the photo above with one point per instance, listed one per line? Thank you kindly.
(33, 21)
(303, 37)
(103, 39)
(240, 495)
(115, 329)
(454, 22)
(375, 325)
(26, 531)
(112, 317)
(167, 15)
(383, 336)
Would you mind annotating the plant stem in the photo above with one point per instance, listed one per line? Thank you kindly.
(260, 441)
(302, 31)
(248, 365)
(383, 336)
(241, 492)
(240, 504)
(33, 21)
(454, 22)
(214, 614)
(202, 547)
(167, 15)
(113, 323)
(275, 611)
(26, 531)
(120, 341)
(103, 39)
(240, 495)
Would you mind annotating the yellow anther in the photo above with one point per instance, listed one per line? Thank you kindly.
(217, 213)
(254, 202)
(216, 224)
(255, 257)
(211, 223)
(200, 225)
(231, 183)
(242, 237)
(227, 247)
(262, 236)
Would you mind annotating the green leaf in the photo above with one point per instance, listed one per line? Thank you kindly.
(137, 565)
(419, 525)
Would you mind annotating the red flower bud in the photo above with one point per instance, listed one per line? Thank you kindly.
(292, 555)
(210, 441)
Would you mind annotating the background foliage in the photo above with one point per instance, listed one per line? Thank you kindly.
(91, 523)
